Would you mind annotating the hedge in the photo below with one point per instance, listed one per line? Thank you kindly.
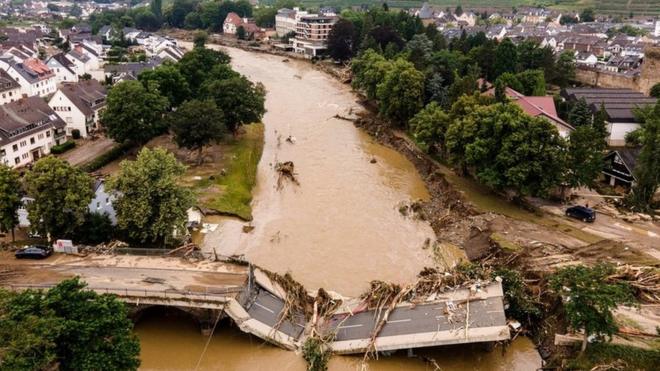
(61, 148)
(106, 158)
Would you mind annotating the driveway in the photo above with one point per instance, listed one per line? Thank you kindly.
(87, 150)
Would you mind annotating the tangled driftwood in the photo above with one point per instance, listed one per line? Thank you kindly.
(286, 171)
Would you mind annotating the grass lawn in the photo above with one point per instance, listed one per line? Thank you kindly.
(231, 193)
(623, 356)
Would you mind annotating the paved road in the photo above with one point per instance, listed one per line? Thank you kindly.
(267, 308)
(420, 319)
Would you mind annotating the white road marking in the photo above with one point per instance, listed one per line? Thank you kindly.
(400, 320)
(349, 326)
(264, 308)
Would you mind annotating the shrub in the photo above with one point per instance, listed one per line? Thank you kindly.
(75, 133)
(61, 148)
(106, 158)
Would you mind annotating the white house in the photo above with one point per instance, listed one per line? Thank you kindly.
(33, 75)
(63, 67)
(79, 105)
(28, 129)
(10, 90)
(102, 201)
(231, 23)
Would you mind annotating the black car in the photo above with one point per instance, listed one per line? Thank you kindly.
(582, 212)
(34, 252)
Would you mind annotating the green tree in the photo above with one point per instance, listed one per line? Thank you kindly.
(419, 50)
(157, 208)
(240, 33)
(589, 298)
(196, 64)
(369, 69)
(587, 15)
(157, 8)
(97, 228)
(67, 328)
(429, 127)
(532, 81)
(507, 149)
(342, 40)
(655, 91)
(61, 194)
(565, 69)
(10, 199)
(506, 57)
(600, 123)
(134, 113)
(200, 38)
(510, 80)
(241, 101)
(401, 93)
(169, 81)
(580, 114)
(647, 169)
(585, 156)
(196, 124)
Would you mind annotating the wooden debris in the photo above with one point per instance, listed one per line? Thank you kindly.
(286, 171)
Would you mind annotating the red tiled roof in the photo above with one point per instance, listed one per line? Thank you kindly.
(233, 18)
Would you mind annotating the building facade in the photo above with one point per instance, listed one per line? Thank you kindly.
(312, 35)
(79, 105)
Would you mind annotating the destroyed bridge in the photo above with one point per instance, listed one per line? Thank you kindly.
(258, 305)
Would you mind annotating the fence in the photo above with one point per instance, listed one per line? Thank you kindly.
(215, 294)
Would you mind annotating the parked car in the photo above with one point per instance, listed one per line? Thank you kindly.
(581, 212)
(34, 252)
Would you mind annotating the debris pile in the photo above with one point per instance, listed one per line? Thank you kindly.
(103, 248)
(644, 280)
(286, 171)
(297, 302)
(7, 273)
(187, 251)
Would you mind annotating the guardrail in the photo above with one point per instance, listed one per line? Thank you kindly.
(215, 294)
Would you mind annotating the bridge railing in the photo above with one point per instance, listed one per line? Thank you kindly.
(209, 294)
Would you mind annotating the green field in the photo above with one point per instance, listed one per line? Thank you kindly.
(622, 7)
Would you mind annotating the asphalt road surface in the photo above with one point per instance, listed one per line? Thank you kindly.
(267, 308)
(420, 319)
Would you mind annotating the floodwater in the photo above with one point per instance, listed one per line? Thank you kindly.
(339, 229)
(174, 343)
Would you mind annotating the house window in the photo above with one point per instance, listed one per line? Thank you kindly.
(17, 160)
(48, 134)
(23, 143)
(15, 147)
(40, 136)
(32, 140)
(24, 156)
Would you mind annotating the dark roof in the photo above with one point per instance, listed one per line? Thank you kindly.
(26, 70)
(86, 95)
(132, 68)
(64, 62)
(7, 82)
(619, 103)
(26, 116)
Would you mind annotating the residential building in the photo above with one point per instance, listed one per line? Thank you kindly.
(312, 34)
(33, 75)
(232, 23)
(10, 90)
(287, 19)
(619, 105)
(102, 201)
(619, 169)
(64, 68)
(535, 106)
(79, 105)
(28, 129)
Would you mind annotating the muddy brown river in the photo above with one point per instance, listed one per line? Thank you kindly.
(339, 228)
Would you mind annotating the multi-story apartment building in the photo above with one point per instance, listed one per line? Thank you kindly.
(32, 74)
(28, 129)
(286, 20)
(10, 90)
(79, 105)
(312, 34)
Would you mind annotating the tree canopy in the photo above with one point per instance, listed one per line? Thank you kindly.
(134, 113)
(197, 124)
(401, 93)
(429, 126)
(10, 198)
(68, 327)
(241, 101)
(169, 81)
(157, 208)
(342, 40)
(647, 169)
(61, 196)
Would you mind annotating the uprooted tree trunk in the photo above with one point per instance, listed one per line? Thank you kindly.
(286, 171)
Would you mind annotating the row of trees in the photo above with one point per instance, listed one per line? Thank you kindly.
(200, 99)
(61, 195)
